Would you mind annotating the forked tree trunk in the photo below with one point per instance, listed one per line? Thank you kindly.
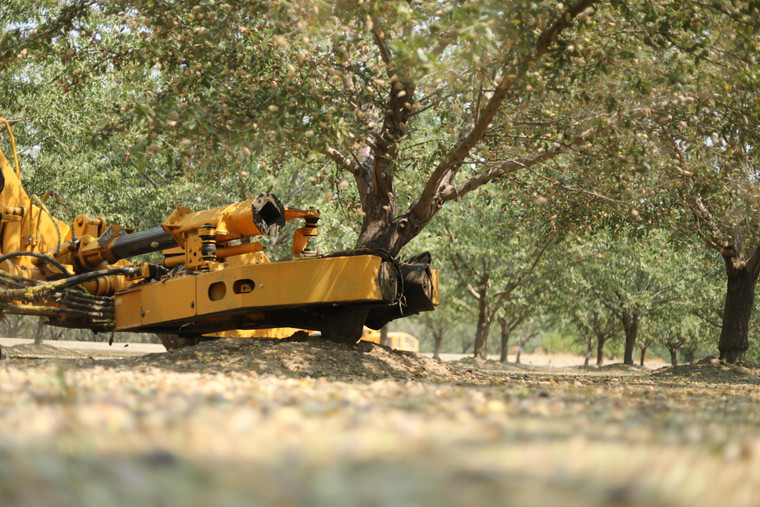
(12, 325)
(737, 312)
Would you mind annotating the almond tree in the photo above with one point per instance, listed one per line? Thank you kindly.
(501, 263)
(717, 160)
(509, 320)
(677, 334)
(709, 147)
(703, 162)
(631, 281)
(597, 326)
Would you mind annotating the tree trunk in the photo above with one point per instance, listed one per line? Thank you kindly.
(484, 322)
(600, 351)
(737, 312)
(481, 338)
(504, 340)
(438, 339)
(40, 332)
(589, 349)
(519, 353)
(384, 336)
(673, 355)
(643, 353)
(631, 327)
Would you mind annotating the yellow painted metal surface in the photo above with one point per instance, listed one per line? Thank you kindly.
(231, 221)
(397, 340)
(257, 257)
(333, 279)
(35, 230)
(277, 332)
(155, 303)
(436, 293)
(248, 288)
(128, 309)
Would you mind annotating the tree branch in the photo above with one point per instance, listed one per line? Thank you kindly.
(538, 255)
(385, 54)
(511, 166)
(753, 263)
(471, 135)
(340, 159)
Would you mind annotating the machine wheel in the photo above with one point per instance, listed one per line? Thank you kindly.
(174, 342)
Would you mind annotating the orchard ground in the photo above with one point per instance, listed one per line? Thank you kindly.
(310, 422)
(117, 349)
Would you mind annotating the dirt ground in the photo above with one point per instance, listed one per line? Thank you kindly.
(310, 422)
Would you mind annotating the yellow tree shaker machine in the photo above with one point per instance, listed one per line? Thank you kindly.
(214, 276)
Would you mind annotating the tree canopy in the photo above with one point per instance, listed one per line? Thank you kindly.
(429, 98)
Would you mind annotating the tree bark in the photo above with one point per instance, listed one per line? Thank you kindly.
(737, 312)
(505, 332)
(438, 330)
(437, 346)
(485, 315)
(600, 351)
(589, 349)
(643, 354)
(631, 327)
(40, 332)
(481, 335)
(384, 336)
(673, 355)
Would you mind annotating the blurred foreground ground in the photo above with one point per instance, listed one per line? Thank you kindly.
(264, 422)
(128, 349)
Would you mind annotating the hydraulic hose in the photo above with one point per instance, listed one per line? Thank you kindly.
(36, 255)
